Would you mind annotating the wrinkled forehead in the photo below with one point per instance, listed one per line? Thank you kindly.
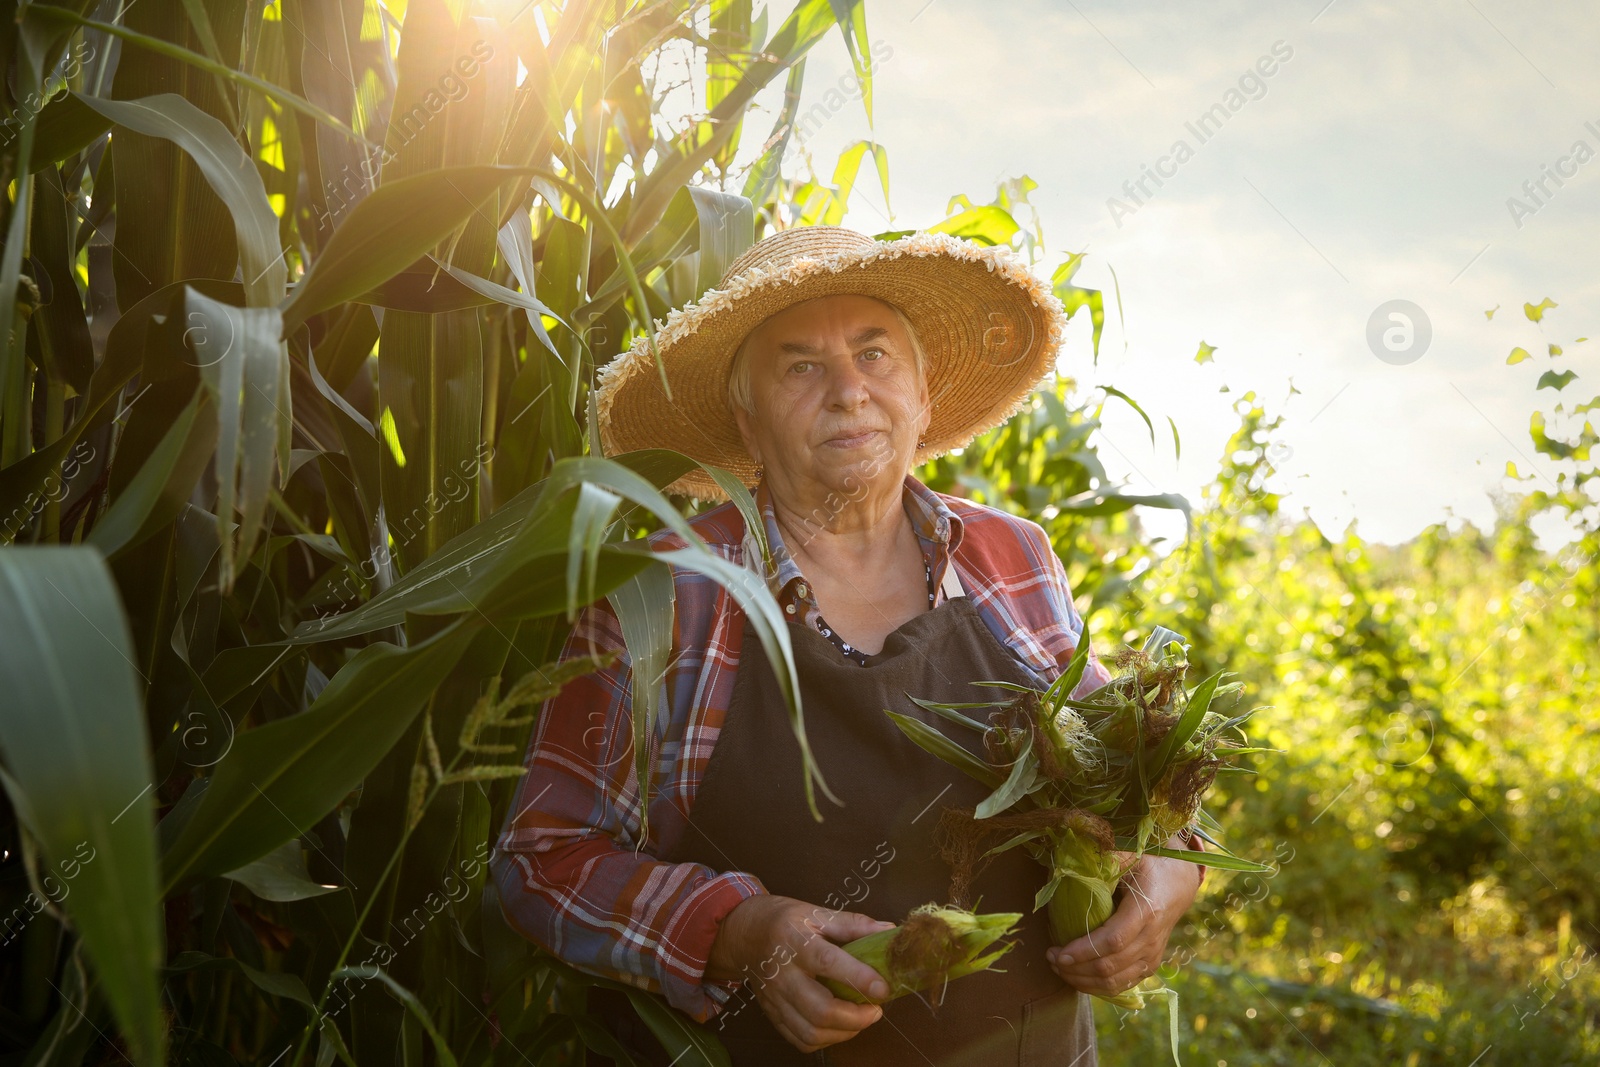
(858, 316)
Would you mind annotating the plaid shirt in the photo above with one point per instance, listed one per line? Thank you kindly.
(573, 873)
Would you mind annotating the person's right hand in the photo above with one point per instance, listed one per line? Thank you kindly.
(782, 946)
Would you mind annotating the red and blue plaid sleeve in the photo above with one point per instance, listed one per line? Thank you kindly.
(573, 873)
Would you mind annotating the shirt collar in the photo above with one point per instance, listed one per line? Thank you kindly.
(935, 524)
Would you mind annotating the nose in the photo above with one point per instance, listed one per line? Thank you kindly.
(847, 386)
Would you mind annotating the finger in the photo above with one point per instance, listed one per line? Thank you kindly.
(814, 1017)
(1102, 987)
(773, 1010)
(819, 1007)
(1115, 935)
(1106, 980)
(846, 926)
(826, 960)
(1100, 970)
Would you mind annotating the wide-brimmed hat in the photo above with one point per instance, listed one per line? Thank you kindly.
(989, 329)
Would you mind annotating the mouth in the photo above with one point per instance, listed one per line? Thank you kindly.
(851, 440)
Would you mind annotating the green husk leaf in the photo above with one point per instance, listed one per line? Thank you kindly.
(931, 740)
(1193, 714)
(1048, 890)
(1024, 773)
(1011, 843)
(1222, 861)
(949, 713)
(1063, 686)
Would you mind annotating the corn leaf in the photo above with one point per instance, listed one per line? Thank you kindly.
(492, 565)
(78, 770)
(1224, 861)
(227, 170)
(392, 227)
(160, 490)
(931, 740)
(66, 126)
(806, 25)
(274, 983)
(1063, 686)
(1024, 773)
(949, 713)
(367, 972)
(1011, 843)
(645, 606)
(1193, 713)
(754, 597)
(1013, 686)
(195, 59)
(590, 521)
(244, 367)
(685, 1044)
(280, 875)
(278, 779)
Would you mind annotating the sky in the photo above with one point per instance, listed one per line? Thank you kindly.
(1358, 153)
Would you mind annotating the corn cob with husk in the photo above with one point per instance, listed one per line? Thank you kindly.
(1089, 785)
(933, 945)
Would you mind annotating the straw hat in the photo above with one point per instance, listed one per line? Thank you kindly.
(990, 330)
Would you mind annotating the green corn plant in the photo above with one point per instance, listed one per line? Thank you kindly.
(300, 491)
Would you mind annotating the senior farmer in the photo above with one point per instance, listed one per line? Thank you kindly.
(822, 370)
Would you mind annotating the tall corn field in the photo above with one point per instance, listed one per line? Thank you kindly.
(299, 487)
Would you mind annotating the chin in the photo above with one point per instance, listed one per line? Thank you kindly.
(856, 476)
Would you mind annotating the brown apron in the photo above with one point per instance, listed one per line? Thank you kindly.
(876, 854)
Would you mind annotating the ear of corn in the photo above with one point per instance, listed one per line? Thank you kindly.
(1080, 897)
(933, 945)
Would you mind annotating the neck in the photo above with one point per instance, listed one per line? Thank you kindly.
(830, 525)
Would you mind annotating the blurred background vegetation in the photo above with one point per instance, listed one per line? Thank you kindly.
(298, 495)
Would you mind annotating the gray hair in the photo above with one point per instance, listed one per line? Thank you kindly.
(739, 395)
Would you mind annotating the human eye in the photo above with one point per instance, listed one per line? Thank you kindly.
(799, 366)
(873, 354)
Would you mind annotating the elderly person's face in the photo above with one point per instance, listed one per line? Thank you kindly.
(839, 403)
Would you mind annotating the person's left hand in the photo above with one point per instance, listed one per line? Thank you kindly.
(1127, 948)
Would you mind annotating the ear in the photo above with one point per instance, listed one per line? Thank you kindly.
(924, 410)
